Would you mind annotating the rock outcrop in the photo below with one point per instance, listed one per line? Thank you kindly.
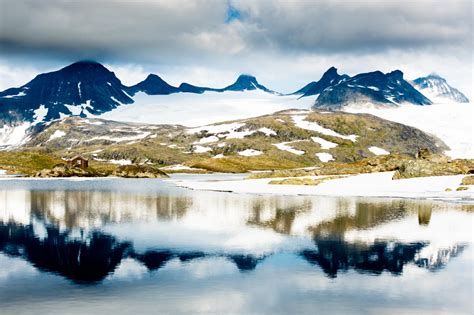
(139, 171)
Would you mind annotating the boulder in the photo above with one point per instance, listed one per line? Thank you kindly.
(63, 170)
(424, 168)
(139, 171)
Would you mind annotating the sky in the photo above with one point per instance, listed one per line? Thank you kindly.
(285, 44)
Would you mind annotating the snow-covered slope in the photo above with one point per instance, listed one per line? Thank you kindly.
(451, 122)
(195, 110)
(437, 89)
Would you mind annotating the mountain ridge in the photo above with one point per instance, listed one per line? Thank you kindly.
(389, 89)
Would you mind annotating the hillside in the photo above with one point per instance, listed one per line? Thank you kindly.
(287, 139)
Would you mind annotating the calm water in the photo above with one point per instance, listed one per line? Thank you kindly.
(145, 246)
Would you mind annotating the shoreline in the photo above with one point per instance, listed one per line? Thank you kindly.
(372, 185)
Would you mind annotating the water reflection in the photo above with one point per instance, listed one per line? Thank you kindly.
(84, 235)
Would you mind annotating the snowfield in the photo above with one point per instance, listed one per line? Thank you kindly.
(364, 185)
(451, 122)
(190, 109)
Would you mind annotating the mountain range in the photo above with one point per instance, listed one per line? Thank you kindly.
(87, 88)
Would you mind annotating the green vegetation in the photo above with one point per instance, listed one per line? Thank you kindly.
(26, 162)
(241, 164)
(302, 181)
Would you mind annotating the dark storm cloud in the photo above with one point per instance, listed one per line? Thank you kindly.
(352, 25)
(210, 28)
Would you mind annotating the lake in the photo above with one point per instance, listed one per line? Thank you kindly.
(145, 246)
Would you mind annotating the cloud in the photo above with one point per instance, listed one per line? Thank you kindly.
(341, 25)
(163, 28)
(284, 43)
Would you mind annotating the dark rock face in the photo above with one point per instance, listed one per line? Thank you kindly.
(438, 87)
(246, 83)
(388, 89)
(86, 83)
(153, 85)
(189, 88)
(329, 78)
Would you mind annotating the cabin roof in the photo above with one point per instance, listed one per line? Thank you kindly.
(78, 157)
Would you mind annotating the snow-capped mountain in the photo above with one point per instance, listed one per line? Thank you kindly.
(82, 88)
(329, 78)
(375, 88)
(435, 87)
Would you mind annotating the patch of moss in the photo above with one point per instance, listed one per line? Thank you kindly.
(468, 180)
(26, 162)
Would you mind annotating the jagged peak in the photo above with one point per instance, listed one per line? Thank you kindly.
(398, 74)
(331, 71)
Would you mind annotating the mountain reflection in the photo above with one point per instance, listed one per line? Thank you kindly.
(83, 235)
(91, 258)
(334, 256)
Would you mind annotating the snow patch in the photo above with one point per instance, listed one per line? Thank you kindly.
(201, 149)
(76, 110)
(324, 143)
(285, 147)
(57, 134)
(120, 139)
(215, 129)
(300, 122)
(267, 131)
(20, 94)
(324, 157)
(120, 162)
(250, 152)
(179, 167)
(205, 140)
(39, 114)
(378, 151)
